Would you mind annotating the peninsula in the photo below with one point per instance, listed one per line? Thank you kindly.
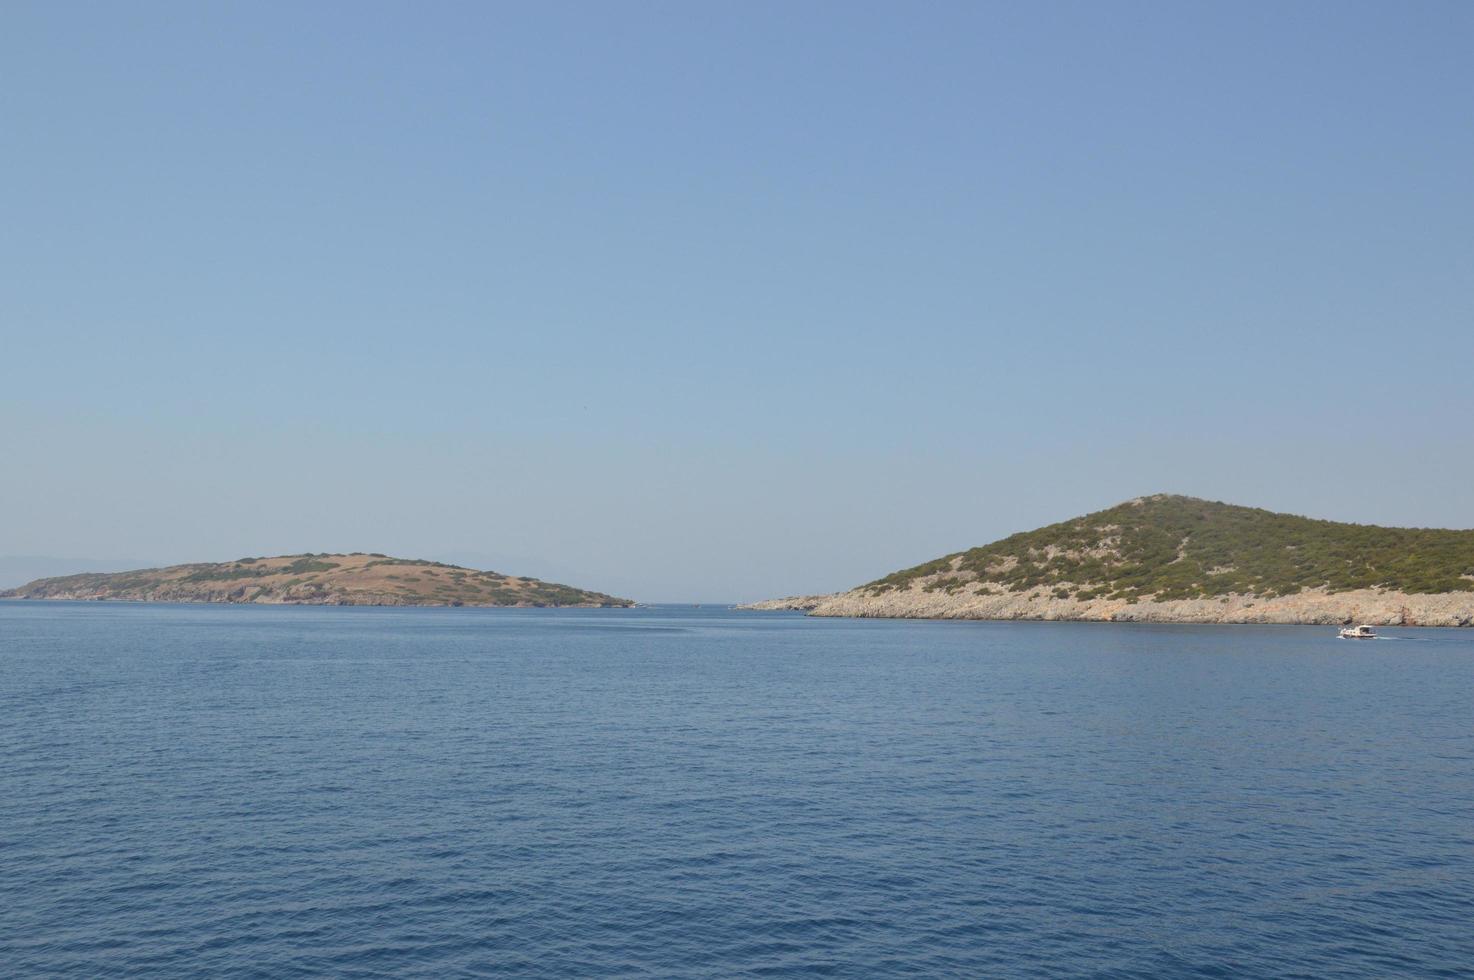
(317, 579)
(1174, 559)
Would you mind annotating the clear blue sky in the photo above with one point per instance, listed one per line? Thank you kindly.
(706, 302)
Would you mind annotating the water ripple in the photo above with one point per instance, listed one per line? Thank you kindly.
(680, 793)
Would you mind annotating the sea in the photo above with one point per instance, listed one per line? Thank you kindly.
(257, 791)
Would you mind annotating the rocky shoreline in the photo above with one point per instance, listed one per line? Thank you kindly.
(800, 603)
(1311, 607)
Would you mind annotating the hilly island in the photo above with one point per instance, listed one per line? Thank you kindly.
(1168, 558)
(317, 579)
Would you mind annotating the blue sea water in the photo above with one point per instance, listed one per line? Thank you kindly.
(257, 791)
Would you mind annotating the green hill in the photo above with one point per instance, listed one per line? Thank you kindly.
(1170, 547)
(345, 580)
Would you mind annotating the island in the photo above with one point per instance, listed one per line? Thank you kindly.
(1173, 559)
(357, 579)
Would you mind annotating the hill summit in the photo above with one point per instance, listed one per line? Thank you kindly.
(317, 579)
(1173, 558)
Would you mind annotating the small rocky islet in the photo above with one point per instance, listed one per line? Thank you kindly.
(358, 579)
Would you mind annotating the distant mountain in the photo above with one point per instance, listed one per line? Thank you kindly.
(1180, 559)
(345, 580)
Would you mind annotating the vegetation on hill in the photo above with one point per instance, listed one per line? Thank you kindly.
(356, 579)
(1170, 547)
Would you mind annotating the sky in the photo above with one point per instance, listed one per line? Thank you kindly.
(713, 302)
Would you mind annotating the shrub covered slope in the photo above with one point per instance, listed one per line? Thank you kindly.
(1171, 547)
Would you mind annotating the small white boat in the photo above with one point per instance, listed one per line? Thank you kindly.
(1362, 632)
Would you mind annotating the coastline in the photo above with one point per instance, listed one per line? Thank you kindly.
(1316, 607)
